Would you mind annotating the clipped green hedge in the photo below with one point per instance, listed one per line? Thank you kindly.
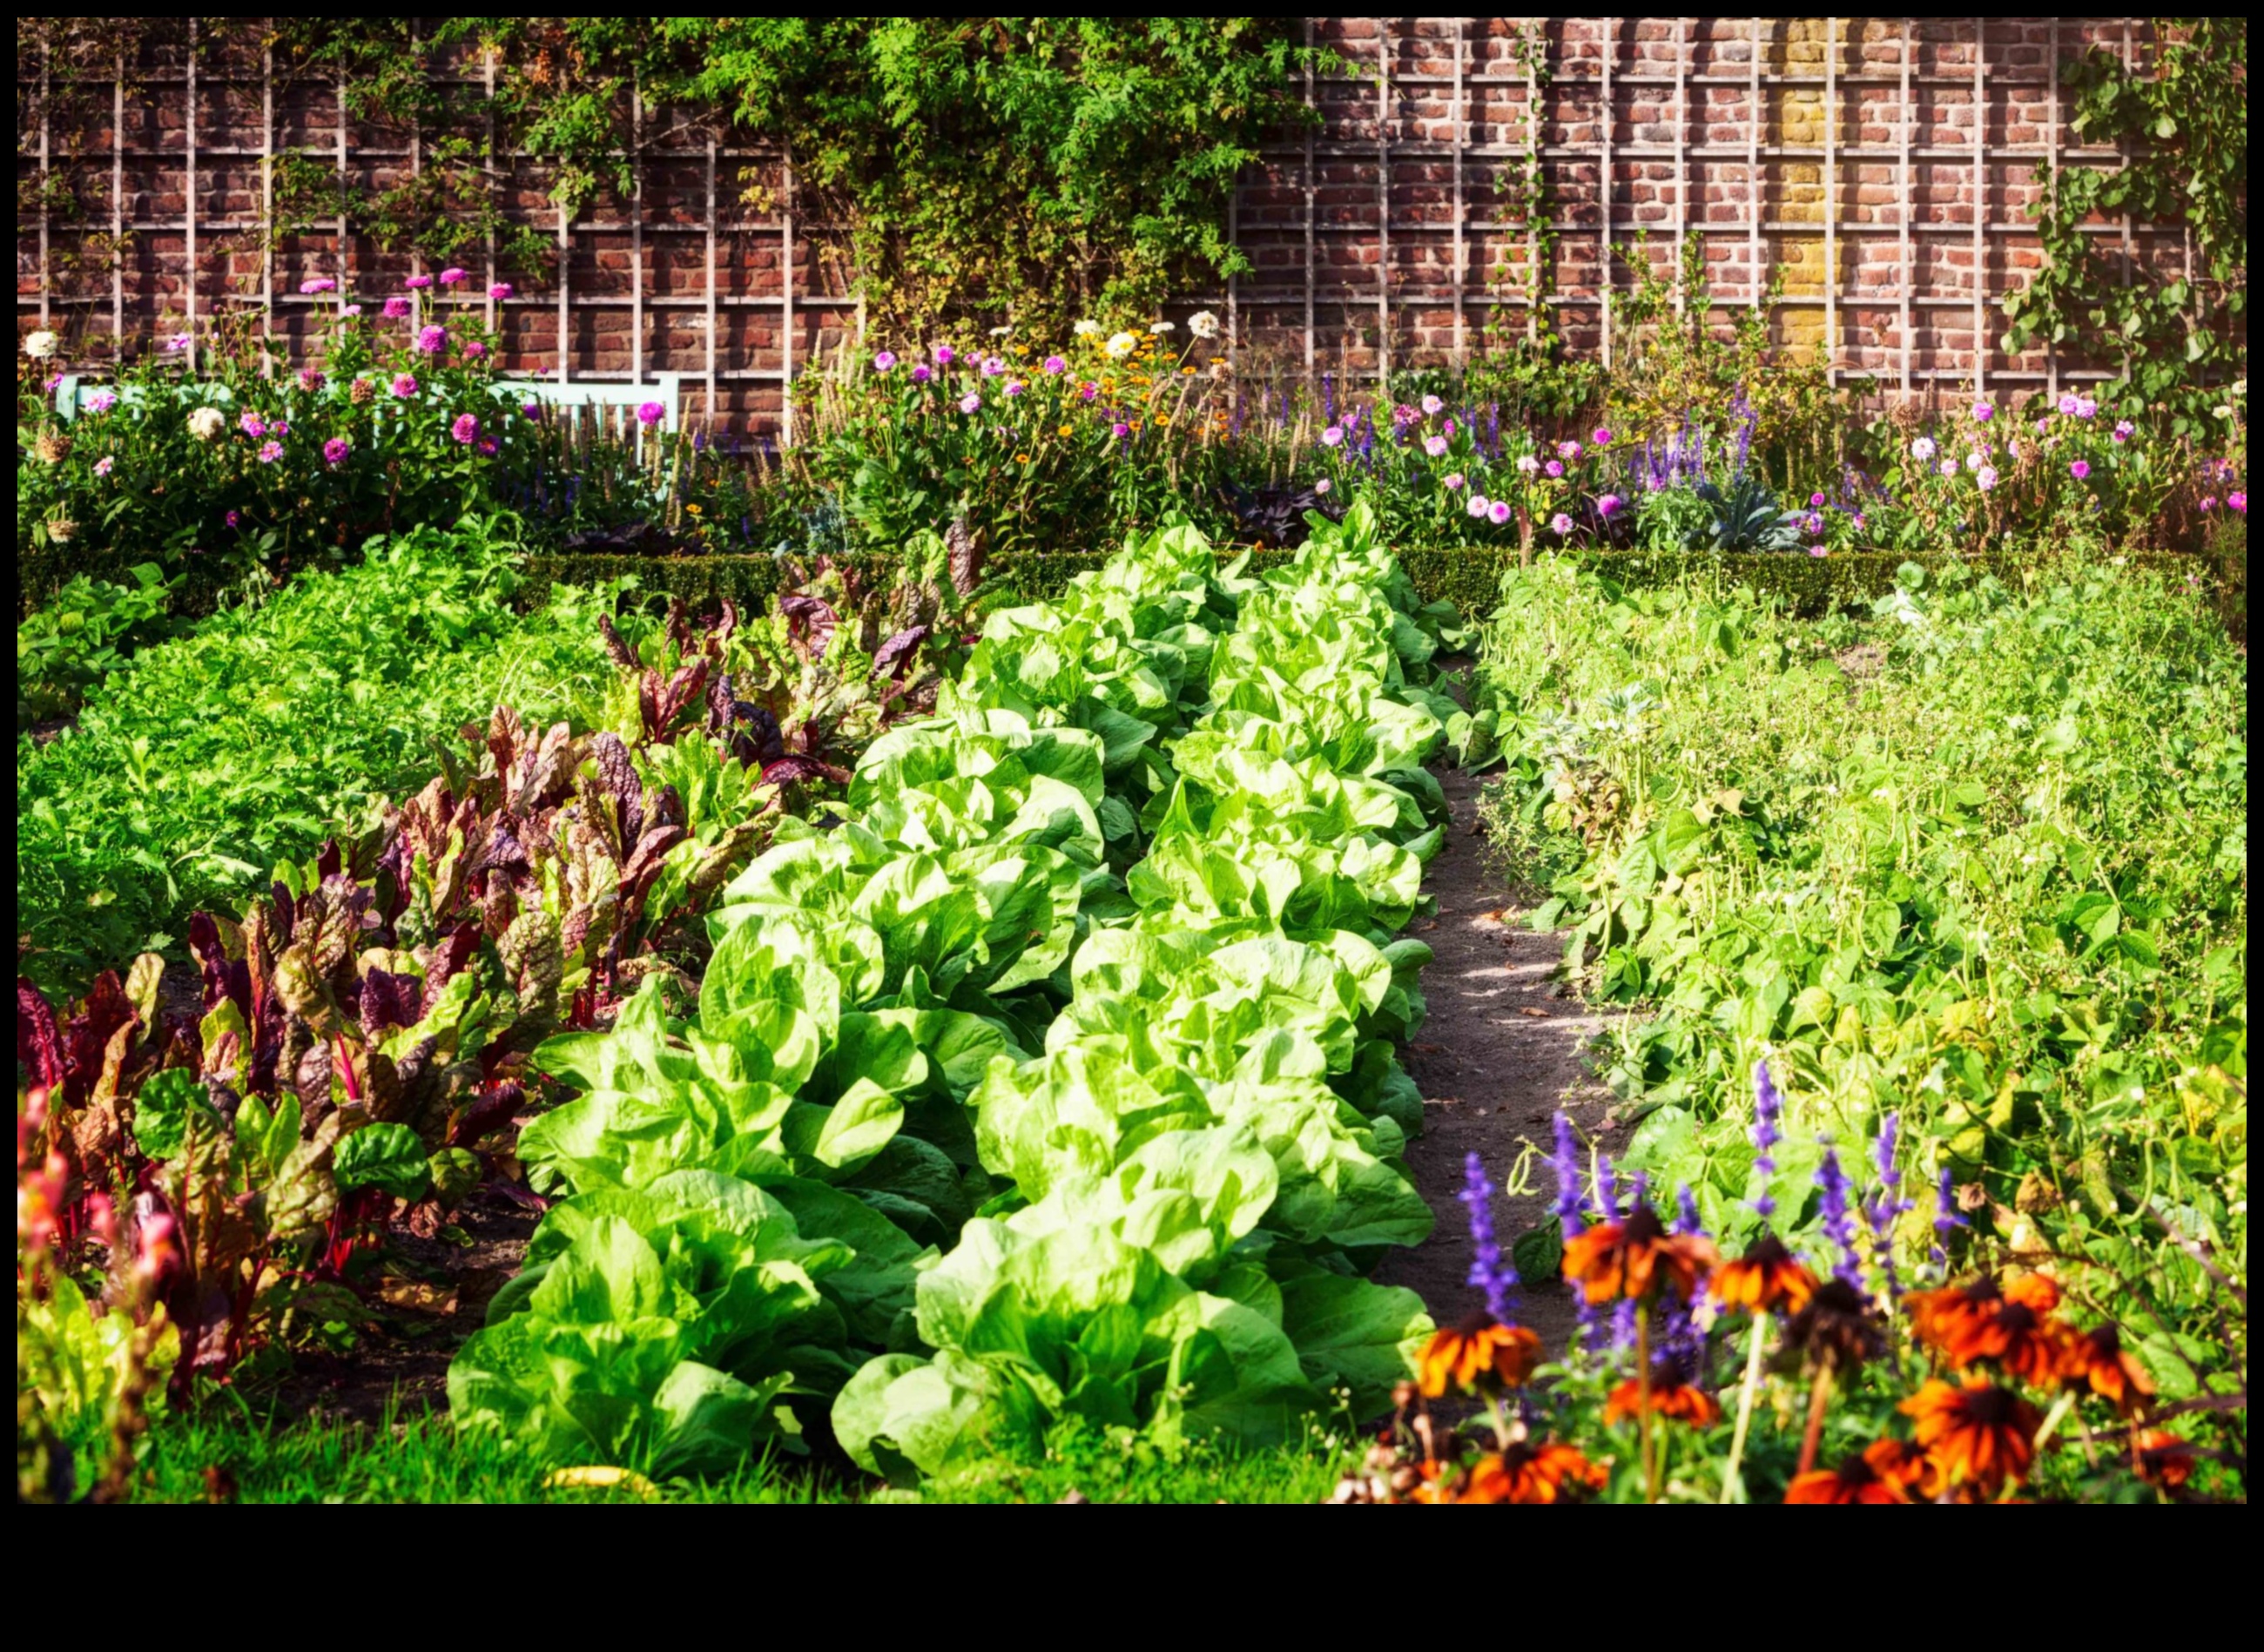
(1468, 578)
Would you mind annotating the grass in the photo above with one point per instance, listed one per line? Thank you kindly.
(234, 1452)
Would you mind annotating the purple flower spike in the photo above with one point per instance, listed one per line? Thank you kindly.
(1686, 1209)
(1567, 1163)
(1491, 1271)
(1608, 1189)
(1839, 1221)
(1768, 1107)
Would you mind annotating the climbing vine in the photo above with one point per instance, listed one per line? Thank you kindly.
(2185, 126)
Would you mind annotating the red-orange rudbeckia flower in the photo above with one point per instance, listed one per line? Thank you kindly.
(1481, 1352)
(2162, 1460)
(1885, 1471)
(1633, 1258)
(1979, 1435)
(1526, 1473)
(1766, 1278)
(2011, 1325)
(2097, 1359)
(1669, 1398)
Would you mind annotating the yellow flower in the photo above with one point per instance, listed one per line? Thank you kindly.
(1021, 458)
(692, 510)
(1067, 430)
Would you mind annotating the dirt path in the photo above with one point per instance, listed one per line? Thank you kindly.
(1499, 1053)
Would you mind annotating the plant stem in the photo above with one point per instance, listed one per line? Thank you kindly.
(2060, 1407)
(1819, 1396)
(1730, 1486)
(1642, 1402)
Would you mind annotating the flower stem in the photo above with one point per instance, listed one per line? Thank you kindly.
(1642, 1401)
(2060, 1407)
(1819, 1396)
(1731, 1489)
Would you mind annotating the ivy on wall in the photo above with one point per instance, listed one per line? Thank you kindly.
(2185, 124)
(1037, 167)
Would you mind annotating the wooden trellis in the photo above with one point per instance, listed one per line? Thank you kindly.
(1377, 237)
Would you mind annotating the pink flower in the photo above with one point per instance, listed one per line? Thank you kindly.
(1982, 412)
(280, 427)
(1610, 505)
(2085, 408)
(1498, 511)
(533, 410)
(650, 413)
(945, 355)
(992, 366)
(1120, 429)
(1015, 387)
(1568, 450)
(2067, 404)
(1815, 501)
(1817, 550)
(2239, 501)
(270, 452)
(432, 341)
(234, 518)
(487, 445)
(251, 424)
(884, 361)
(350, 311)
(1433, 406)
(473, 349)
(499, 291)
(1527, 464)
(335, 449)
(1087, 391)
(102, 466)
(1601, 436)
(178, 343)
(466, 429)
(1560, 524)
(2124, 430)
(396, 308)
(2079, 469)
(1435, 446)
(1054, 367)
(1322, 485)
(1476, 505)
(1949, 467)
(920, 373)
(452, 277)
(1332, 436)
(1985, 477)
(970, 402)
(418, 283)
(1453, 481)
(1554, 468)
(403, 385)
(319, 284)
(2209, 502)
(103, 401)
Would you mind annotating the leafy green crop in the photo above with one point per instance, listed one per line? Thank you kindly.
(273, 728)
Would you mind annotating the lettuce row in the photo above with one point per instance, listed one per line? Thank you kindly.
(1204, 1155)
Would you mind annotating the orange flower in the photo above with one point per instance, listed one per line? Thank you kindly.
(2161, 1459)
(1886, 1471)
(1671, 1398)
(2012, 1325)
(1766, 1278)
(1480, 1353)
(1836, 1327)
(1634, 1257)
(1939, 1319)
(2097, 1359)
(1526, 1473)
(1979, 1435)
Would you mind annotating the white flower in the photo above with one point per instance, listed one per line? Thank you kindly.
(1164, 327)
(1528, 463)
(41, 344)
(1086, 328)
(2223, 410)
(1001, 333)
(1923, 448)
(205, 424)
(1122, 345)
(62, 531)
(1203, 325)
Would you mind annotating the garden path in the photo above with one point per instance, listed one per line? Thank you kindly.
(1501, 1049)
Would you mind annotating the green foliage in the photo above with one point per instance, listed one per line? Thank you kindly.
(273, 727)
(89, 630)
(2184, 122)
(1977, 860)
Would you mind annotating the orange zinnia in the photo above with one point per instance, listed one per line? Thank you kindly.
(1525, 1472)
(1886, 1471)
(1977, 1435)
(1766, 1279)
(2097, 1359)
(2162, 1460)
(1481, 1352)
(1671, 1398)
(1634, 1257)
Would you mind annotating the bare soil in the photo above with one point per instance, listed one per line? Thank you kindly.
(1502, 1049)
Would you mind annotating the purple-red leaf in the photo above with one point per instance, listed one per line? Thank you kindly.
(38, 1046)
(897, 652)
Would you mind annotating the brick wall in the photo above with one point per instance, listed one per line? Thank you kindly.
(1881, 168)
